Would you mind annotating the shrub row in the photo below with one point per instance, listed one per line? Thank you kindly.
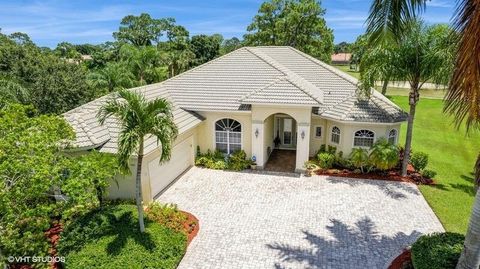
(236, 161)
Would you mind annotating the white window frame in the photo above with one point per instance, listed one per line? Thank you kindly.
(227, 133)
(355, 136)
(339, 134)
(394, 137)
(315, 131)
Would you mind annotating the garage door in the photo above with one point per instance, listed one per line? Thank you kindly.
(162, 175)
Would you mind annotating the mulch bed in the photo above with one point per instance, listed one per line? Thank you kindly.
(403, 261)
(392, 175)
(191, 226)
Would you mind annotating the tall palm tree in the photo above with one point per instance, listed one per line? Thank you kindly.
(144, 62)
(413, 57)
(139, 118)
(463, 97)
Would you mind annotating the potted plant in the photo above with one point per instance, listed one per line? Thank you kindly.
(277, 141)
(310, 168)
(253, 165)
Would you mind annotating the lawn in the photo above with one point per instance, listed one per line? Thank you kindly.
(110, 238)
(346, 69)
(452, 155)
(424, 93)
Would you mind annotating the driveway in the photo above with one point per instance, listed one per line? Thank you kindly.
(253, 220)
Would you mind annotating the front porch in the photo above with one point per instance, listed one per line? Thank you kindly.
(281, 160)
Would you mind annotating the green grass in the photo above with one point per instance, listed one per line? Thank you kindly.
(110, 238)
(346, 69)
(452, 155)
(424, 93)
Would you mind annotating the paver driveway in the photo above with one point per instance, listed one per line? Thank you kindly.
(252, 220)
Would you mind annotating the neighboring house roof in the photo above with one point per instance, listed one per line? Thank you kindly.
(341, 57)
(275, 75)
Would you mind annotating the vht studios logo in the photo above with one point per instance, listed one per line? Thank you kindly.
(35, 259)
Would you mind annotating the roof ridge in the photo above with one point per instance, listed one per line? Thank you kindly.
(246, 96)
(292, 77)
(330, 68)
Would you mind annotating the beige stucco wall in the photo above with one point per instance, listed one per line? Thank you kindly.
(316, 142)
(206, 130)
(123, 186)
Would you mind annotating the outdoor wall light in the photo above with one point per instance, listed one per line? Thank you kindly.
(303, 134)
(256, 132)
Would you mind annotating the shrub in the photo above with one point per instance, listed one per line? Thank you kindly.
(167, 215)
(359, 158)
(332, 149)
(109, 238)
(238, 161)
(428, 173)
(419, 160)
(438, 250)
(326, 160)
(211, 160)
(384, 155)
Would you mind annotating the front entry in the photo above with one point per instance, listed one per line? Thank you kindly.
(285, 132)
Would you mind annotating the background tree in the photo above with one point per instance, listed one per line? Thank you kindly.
(229, 45)
(139, 118)
(358, 49)
(112, 77)
(421, 54)
(205, 48)
(142, 30)
(376, 64)
(342, 47)
(144, 62)
(296, 23)
(176, 51)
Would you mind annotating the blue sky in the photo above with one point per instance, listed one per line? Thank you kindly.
(50, 22)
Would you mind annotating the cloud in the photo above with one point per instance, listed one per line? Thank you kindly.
(439, 3)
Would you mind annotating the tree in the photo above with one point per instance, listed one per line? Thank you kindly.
(142, 30)
(464, 88)
(342, 47)
(358, 49)
(144, 62)
(12, 92)
(462, 101)
(296, 23)
(205, 48)
(139, 118)
(359, 158)
(229, 45)
(112, 77)
(421, 54)
(176, 51)
(33, 164)
(377, 64)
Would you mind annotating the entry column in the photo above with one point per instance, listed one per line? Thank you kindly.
(303, 145)
(258, 128)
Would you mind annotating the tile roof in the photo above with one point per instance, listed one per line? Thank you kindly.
(251, 75)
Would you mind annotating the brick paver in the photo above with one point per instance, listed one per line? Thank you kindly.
(250, 220)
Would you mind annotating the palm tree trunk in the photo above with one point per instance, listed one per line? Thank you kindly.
(470, 257)
(138, 183)
(477, 172)
(385, 86)
(413, 99)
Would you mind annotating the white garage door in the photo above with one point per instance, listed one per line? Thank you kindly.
(162, 175)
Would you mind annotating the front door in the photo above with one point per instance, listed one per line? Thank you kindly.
(287, 131)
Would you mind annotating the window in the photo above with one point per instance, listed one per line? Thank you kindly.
(363, 138)
(228, 135)
(392, 137)
(318, 131)
(335, 135)
(287, 131)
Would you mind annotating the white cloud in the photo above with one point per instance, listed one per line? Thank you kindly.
(439, 3)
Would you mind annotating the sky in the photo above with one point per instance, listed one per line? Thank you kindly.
(93, 21)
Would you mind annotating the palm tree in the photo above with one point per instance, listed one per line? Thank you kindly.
(384, 155)
(462, 100)
(139, 118)
(145, 63)
(112, 77)
(375, 64)
(419, 55)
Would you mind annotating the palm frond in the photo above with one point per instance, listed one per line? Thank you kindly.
(166, 132)
(128, 142)
(463, 97)
(389, 19)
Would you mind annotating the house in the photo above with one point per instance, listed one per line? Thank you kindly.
(341, 58)
(244, 100)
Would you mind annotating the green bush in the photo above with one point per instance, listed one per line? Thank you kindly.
(384, 155)
(325, 160)
(210, 160)
(110, 238)
(238, 161)
(419, 160)
(167, 215)
(359, 158)
(428, 173)
(438, 250)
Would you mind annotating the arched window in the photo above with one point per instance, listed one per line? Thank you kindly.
(335, 135)
(363, 138)
(392, 136)
(228, 135)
